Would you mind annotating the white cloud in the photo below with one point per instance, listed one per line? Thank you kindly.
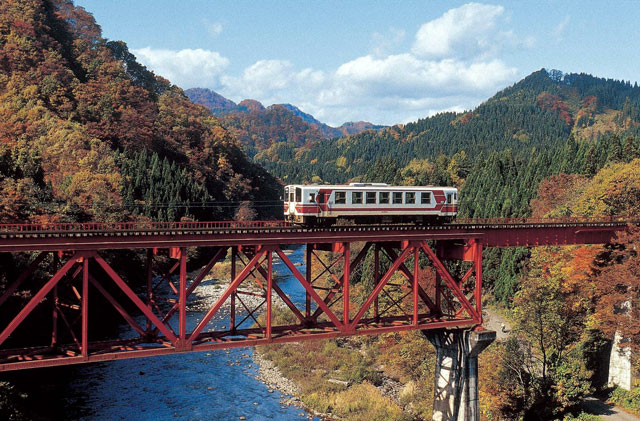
(384, 43)
(213, 28)
(558, 30)
(465, 32)
(273, 81)
(186, 68)
(455, 63)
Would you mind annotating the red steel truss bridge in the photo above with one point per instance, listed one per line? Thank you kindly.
(424, 277)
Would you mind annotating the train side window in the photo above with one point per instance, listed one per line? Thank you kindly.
(356, 198)
(298, 194)
(384, 197)
(410, 197)
(425, 199)
(341, 198)
(397, 197)
(371, 198)
(449, 196)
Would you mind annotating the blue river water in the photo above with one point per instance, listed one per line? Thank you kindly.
(217, 385)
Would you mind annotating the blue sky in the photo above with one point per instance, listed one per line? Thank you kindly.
(381, 61)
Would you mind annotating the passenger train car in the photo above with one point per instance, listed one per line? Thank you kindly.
(369, 203)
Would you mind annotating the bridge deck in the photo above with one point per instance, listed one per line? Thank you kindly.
(105, 236)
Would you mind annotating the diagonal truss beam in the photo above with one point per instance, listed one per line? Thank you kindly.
(319, 301)
(37, 298)
(137, 301)
(117, 306)
(281, 294)
(378, 288)
(231, 288)
(353, 265)
(196, 281)
(451, 283)
(24, 275)
(405, 271)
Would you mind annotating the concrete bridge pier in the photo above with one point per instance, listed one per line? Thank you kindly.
(456, 375)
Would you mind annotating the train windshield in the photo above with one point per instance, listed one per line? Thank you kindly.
(286, 194)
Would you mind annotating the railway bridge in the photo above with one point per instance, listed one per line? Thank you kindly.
(447, 306)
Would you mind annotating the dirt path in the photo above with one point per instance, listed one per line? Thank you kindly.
(606, 411)
(493, 321)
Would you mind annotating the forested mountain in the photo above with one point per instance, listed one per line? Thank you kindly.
(541, 111)
(258, 127)
(87, 133)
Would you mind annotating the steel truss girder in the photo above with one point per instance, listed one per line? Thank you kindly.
(158, 337)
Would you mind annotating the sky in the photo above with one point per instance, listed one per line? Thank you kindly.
(382, 61)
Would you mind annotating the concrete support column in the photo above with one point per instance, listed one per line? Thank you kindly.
(456, 375)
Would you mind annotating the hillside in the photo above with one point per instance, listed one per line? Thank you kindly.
(87, 133)
(541, 111)
(258, 127)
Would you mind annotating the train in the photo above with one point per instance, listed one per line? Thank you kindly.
(369, 203)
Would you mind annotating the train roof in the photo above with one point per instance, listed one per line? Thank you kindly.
(369, 186)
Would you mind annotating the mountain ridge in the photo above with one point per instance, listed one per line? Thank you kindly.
(228, 111)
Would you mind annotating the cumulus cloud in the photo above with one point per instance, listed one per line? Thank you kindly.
(465, 32)
(454, 64)
(274, 81)
(187, 68)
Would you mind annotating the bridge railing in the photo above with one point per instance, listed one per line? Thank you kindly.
(137, 226)
(88, 227)
(530, 220)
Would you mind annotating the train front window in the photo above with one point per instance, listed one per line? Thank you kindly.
(292, 197)
(356, 197)
(397, 197)
(410, 197)
(371, 198)
(286, 194)
(298, 194)
(341, 198)
(384, 197)
(449, 196)
(425, 199)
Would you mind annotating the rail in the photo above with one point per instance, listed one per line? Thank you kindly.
(137, 226)
(95, 227)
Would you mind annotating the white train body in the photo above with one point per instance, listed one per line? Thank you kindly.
(369, 203)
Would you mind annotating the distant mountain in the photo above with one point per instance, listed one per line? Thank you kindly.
(212, 100)
(331, 132)
(259, 127)
(355, 127)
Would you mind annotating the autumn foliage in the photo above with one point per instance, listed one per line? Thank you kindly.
(69, 99)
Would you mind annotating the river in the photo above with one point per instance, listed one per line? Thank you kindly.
(217, 385)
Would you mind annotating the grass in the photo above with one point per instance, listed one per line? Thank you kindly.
(582, 416)
(362, 362)
(627, 399)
